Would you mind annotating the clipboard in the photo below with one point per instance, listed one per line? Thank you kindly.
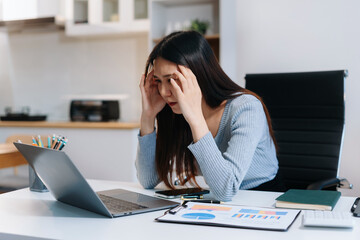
(231, 216)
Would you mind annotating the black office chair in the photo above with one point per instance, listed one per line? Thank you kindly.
(308, 115)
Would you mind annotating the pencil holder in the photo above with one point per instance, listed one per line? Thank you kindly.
(35, 183)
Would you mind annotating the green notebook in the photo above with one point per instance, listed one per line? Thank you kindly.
(308, 199)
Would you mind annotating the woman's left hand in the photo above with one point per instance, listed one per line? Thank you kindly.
(189, 97)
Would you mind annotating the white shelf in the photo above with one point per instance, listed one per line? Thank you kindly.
(167, 16)
(104, 17)
(173, 15)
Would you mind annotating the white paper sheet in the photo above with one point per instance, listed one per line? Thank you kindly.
(233, 216)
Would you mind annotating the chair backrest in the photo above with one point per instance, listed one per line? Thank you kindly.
(308, 115)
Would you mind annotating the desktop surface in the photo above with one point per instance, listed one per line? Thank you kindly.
(31, 215)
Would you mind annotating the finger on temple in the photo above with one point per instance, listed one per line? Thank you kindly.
(184, 82)
(184, 71)
(150, 76)
(188, 74)
(177, 90)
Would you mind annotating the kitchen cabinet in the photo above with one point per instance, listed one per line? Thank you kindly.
(11, 10)
(106, 17)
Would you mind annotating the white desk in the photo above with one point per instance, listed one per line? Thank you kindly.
(29, 215)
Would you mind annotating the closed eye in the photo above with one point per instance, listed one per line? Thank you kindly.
(175, 79)
(157, 80)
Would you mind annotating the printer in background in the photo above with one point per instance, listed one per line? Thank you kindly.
(94, 110)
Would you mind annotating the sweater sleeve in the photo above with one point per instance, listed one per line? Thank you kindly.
(145, 161)
(225, 171)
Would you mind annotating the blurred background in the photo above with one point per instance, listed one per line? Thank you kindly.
(53, 52)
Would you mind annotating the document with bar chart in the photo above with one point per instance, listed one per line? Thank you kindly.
(232, 216)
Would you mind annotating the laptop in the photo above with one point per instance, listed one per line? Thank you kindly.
(67, 185)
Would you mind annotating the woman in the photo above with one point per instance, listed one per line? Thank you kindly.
(205, 123)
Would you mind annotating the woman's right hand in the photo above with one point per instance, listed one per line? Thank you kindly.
(152, 103)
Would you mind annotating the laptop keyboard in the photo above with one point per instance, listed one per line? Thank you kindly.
(116, 205)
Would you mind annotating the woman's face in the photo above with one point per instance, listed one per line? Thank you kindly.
(163, 71)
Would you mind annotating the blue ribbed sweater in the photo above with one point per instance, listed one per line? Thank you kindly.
(241, 156)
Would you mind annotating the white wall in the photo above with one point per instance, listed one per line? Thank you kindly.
(307, 35)
(6, 98)
(39, 68)
(228, 41)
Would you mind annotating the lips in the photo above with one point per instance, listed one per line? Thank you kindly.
(172, 103)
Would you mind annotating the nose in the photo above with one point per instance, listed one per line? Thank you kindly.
(164, 89)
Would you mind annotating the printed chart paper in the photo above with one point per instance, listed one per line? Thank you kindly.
(234, 216)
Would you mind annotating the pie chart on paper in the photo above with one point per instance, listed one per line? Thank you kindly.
(199, 216)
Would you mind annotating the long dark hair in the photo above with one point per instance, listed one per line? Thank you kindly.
(189, 48)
